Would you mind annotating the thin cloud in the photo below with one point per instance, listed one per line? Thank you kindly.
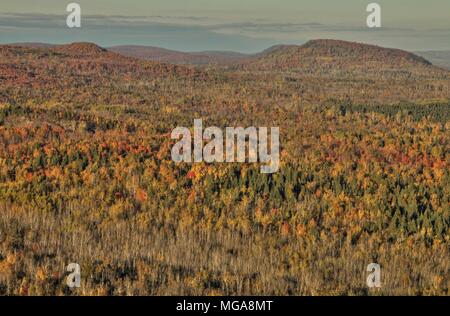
(193, 33)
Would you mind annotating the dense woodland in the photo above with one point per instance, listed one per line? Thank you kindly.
(86, 174)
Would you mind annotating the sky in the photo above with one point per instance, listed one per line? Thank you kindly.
(247, 26)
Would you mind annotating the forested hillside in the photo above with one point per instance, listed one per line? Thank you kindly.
(86, 174)
(84, 73)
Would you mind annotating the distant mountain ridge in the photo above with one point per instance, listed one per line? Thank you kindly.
(334, 56)
(316, 71)
(284, 56)
(159, 54)
(79, 69)
(176, 57)
(85, 57)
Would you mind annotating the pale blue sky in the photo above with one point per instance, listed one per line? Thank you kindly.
(241, 25)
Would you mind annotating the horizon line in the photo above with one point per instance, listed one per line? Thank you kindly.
(209, 51)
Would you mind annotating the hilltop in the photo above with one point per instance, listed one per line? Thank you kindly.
(334, 69)
(79, 49)
(335, 56)
(83, 58)
(79, 70)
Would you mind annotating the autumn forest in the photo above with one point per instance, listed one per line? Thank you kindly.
(86, 174)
